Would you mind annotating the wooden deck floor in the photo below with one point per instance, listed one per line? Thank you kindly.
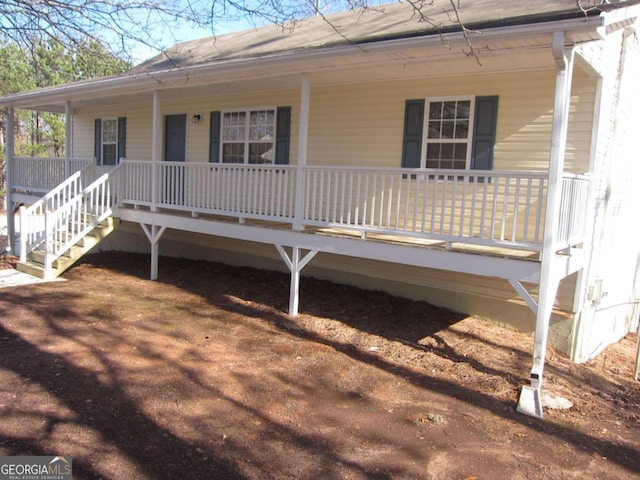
(494, 251)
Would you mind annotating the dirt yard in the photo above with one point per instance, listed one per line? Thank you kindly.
(201, 375)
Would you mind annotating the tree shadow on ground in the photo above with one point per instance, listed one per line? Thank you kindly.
(156, 451)
(265, 295)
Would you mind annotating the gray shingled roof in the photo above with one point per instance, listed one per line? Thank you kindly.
(394, 20)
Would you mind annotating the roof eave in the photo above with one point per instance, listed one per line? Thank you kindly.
(54, 98)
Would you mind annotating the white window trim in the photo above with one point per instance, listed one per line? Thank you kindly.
(246, 142)
(103, 143)
(425, 126)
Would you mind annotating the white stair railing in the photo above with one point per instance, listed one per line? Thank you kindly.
(32, 230)
(65, 215)
(67, 225)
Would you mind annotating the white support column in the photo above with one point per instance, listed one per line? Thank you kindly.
(295, 264)
(9, 154)
(303, 136)
(153, 234)
(530, 399)
(156, 149)
(294, 289)
(68, 137)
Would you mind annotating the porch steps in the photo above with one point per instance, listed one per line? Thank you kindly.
(35, 261)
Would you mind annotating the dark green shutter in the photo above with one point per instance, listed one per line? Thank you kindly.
(97, 149)
(412, 139)
(122, 139)
(484, 133)
(214, 136)
(283, 135)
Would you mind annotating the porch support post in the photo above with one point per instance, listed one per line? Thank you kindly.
(530, 402)
(68, 137)
(295, 264)
(303, 136)
(156, 148)
(153, 234)
(9, 154)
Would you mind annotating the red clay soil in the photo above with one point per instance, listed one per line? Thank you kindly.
(202, 375)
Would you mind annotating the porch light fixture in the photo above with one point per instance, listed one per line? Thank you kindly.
(196, 118)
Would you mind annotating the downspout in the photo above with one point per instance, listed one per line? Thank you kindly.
(530, 401)
(8, 157)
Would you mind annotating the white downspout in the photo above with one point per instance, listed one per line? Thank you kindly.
(530, 400)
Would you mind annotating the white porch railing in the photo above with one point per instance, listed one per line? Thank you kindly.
(243, 191)
(40, 175)
(482, 207)
(576, 190)
(494, 208)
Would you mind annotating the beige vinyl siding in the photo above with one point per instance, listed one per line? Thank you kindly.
(198, 134)
(139, 121)
(362, 125)
(138, 129)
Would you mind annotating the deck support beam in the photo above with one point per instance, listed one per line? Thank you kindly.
(153, 233)
(295, 264)
(525, 295)
(530, 402)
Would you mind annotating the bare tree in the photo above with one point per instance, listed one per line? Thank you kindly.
(122, 24)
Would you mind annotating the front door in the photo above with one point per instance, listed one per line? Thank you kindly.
(175, 148)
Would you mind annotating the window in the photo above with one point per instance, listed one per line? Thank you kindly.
(248, 136)
(450, 133)
(448, 139)
(110, 140)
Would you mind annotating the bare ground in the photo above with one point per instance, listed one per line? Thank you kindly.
(201, 375)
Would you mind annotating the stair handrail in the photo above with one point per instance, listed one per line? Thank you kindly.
(30, 238)
(67, 225)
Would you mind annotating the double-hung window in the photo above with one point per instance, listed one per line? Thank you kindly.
(248, 136)
(449, 124)
(450, 133)
(110, 140)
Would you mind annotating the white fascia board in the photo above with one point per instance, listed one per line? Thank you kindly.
(302, 60)
(498, 267)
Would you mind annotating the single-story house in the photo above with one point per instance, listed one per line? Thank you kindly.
(488, 168)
